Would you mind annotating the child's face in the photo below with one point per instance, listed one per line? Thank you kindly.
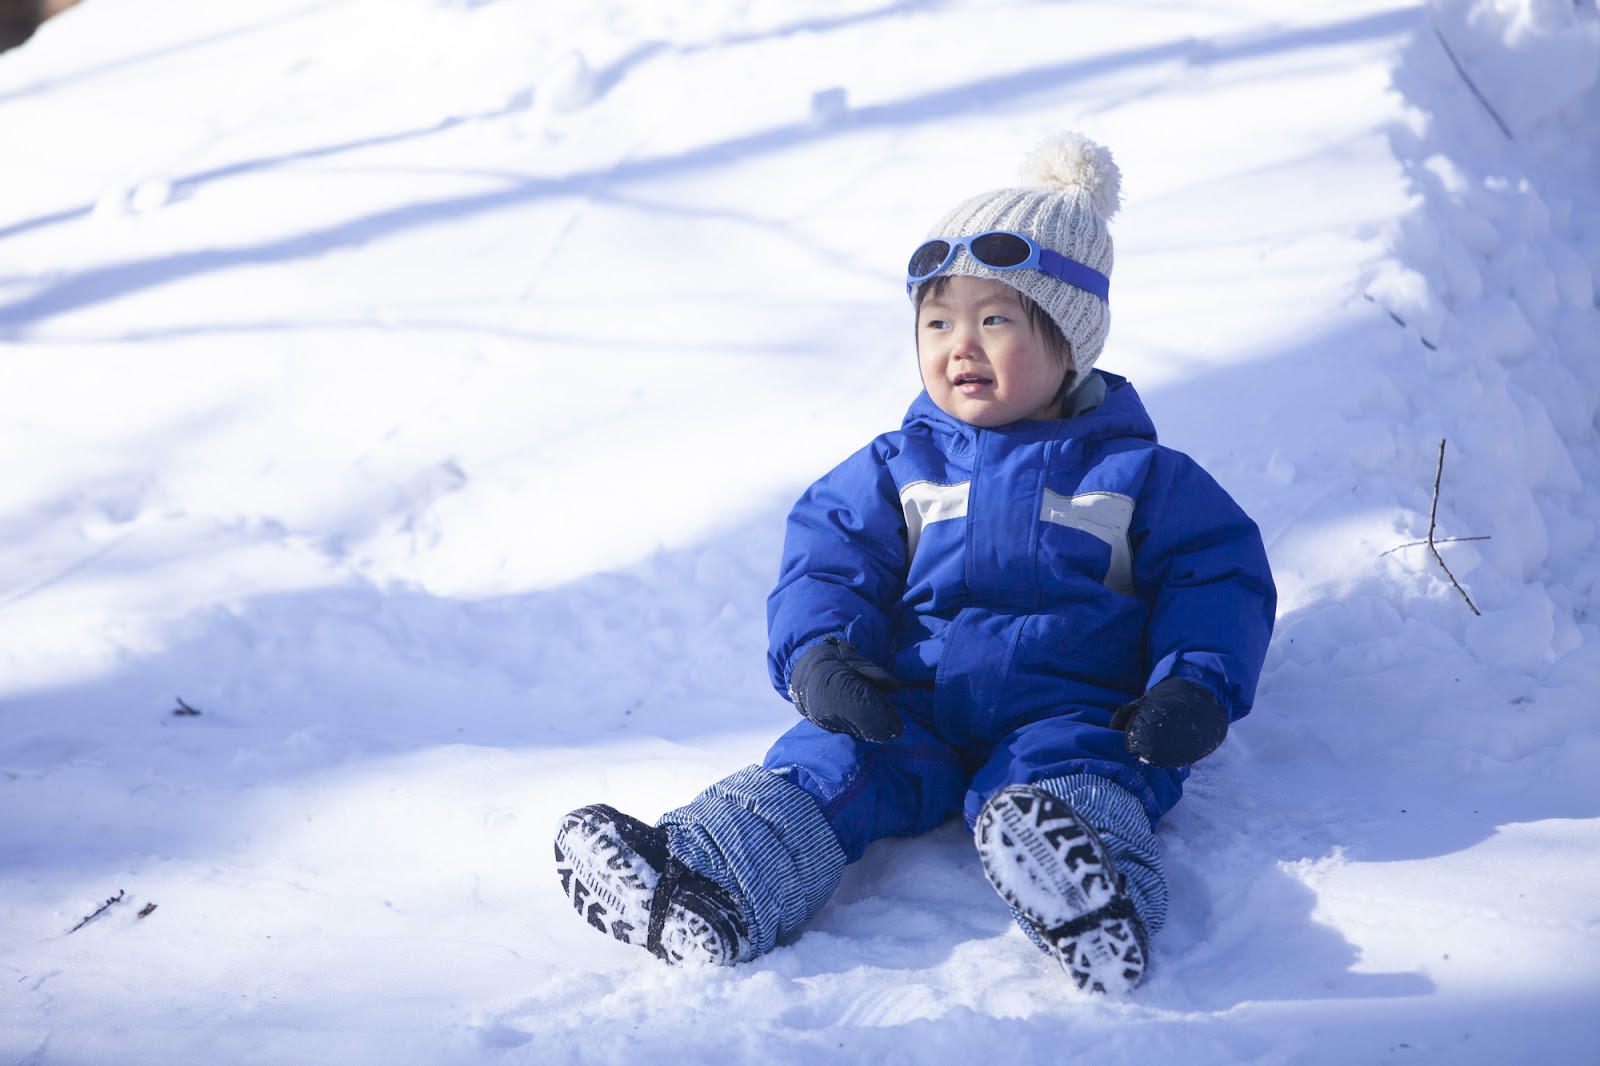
(981, 360)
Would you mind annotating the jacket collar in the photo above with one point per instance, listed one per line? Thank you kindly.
(1105, 406)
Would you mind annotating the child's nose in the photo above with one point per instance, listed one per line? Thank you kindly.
(965, 343)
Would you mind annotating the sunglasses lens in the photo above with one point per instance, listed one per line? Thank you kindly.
(1000, 250)
(927, 259)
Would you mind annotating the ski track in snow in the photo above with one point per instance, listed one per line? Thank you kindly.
(417, 389)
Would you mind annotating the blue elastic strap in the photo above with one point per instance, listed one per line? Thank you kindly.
(1075, 273)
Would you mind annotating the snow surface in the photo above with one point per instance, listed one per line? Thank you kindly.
(416, 388)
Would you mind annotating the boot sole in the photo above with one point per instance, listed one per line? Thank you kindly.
(1053, 868)
(609, 873)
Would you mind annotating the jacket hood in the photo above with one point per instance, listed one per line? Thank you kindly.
(1120, 414)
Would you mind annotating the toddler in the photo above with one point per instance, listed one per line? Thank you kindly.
(1017, 606)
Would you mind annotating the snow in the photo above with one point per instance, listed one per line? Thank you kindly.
(416, 388)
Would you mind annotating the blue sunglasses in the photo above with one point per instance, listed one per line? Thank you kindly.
(1003, 250)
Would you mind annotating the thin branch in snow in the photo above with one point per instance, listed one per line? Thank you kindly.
(1461, 70)
(1432, 542)
(1403, 324)
(1433, 520)
(146, 911)
(1420, 543)
(98, 912)
(184, 710)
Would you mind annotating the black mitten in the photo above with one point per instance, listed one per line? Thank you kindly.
(840, 691)
(1176, 723)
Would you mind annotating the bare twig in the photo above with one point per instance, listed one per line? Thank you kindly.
(1461, 70)
(98, 911)
(146, 912)
(184, 710)
(1433, 519)
(1420, 543)
(1403, 324)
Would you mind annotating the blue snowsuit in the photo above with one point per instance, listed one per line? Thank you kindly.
(1021, 583)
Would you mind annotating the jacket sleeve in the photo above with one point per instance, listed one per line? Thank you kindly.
(844, 565)
(1200, 564)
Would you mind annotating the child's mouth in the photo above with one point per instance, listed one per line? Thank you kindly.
(971, 383)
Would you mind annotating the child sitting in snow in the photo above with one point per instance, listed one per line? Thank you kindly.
(1017, 606)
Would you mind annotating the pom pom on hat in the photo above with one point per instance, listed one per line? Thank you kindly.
(1074, 162)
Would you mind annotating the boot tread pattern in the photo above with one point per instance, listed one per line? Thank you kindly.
(610, 864)
(1055, 871)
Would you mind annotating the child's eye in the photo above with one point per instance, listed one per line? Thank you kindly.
(936, 323)
(995, 320)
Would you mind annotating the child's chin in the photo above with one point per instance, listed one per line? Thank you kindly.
(982, 416)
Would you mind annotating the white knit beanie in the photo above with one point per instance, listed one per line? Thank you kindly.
(1071, 188)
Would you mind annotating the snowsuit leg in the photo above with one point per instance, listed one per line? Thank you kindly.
(907, 786)
(764, 841)
(778, 836)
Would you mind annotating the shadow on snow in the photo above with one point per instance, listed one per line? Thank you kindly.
(106, 283)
